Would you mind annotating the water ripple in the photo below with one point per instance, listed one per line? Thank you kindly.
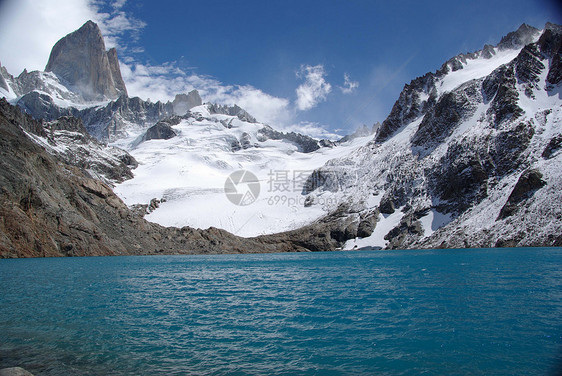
(397, 313)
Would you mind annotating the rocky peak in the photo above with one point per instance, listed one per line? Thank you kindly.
(519, 38)
(3, 83)
(183, 103)
(232, 111)
(80, 59)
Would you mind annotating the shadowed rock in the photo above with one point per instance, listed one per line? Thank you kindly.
(159, 131)
(529, 182)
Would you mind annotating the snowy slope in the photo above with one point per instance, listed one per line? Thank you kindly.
(188, 174)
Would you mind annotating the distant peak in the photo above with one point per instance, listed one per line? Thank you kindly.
(553, 27)
(91, 25)
(524, 35)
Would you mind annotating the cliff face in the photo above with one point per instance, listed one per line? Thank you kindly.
(80, 59)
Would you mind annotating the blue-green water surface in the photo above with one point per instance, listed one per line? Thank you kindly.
(442, 312)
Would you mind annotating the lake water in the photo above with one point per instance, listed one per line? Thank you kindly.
(442, 312)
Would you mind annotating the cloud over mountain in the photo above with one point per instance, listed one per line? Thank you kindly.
(315, 88)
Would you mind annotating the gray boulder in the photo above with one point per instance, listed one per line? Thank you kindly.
(14, 371)
(159, 131)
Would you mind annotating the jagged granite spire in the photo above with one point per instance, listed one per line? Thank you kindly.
(183, 103)
(81, 60)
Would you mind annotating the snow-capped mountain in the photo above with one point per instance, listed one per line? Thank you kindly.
(186, 150)
(468, 157)
(83, 80)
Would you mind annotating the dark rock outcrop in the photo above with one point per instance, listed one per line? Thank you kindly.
(439, 122)
(3, 83)
(327, 179)
(159, 131)
(409, 226)
(232, 111)
(305, 144)
(529, 182)
(550, 44)
(367, 223)
(499, 87)
(409, 105)
(524, 35)
(81, 60)
(553, 146)
(386, 205)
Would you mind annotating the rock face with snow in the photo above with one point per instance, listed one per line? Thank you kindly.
(107, 122)
(80, 59)
(235, 110)
(67, 139)
(468, 156)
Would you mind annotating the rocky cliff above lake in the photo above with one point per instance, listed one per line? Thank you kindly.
(465, 158)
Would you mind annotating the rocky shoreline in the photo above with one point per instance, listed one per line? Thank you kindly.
(14, 371)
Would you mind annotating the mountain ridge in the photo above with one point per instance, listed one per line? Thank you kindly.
(467, 157)
(443, 157)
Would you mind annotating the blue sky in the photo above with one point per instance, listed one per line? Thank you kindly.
(312, 65)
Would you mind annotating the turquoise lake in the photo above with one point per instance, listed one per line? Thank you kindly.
(430, 312)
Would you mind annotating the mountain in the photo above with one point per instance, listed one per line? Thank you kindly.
(80, 59)
(468, 157)
(83, 80)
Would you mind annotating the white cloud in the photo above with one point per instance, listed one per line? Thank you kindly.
(163, 82)
(117, 26)
(348, 85)
(29, 29)
(118, 4)
(313, 129)
(266, 108)
(315, 89)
